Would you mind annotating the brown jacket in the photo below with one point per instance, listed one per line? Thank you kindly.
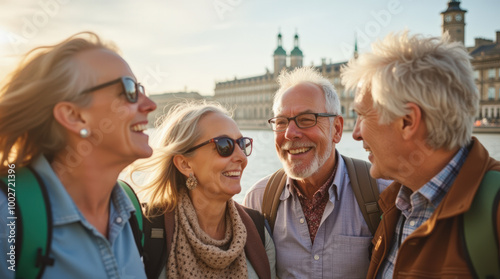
(435, 249)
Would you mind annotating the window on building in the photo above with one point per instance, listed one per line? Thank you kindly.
(491, 73)
(491, 93)
(476, 74)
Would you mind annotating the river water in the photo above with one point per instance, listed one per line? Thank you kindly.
(264, 160)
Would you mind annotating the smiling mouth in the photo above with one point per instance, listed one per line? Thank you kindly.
(139, 127)
(232, 173)
(299, 150)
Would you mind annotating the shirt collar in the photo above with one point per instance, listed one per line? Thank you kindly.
(64, 210)
(434, 190)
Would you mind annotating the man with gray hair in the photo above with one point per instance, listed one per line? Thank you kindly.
(319, 229)
(416, 101)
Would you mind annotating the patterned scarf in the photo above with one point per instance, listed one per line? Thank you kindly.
(194, 254)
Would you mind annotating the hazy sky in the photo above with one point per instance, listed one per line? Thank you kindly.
(172, 44)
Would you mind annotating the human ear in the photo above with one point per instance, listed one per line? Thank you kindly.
(68, 115)
(412, 121)
(182, 164)
(338, 125)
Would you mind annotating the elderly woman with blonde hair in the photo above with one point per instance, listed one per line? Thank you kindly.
(74, 114)
(199, 158)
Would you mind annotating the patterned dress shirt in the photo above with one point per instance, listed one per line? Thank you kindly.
(314, 208)
(340, 247)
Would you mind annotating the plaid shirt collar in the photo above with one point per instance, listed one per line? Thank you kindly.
(434, 190)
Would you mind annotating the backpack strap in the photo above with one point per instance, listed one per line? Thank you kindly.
(136, 218)
(365, 190)
(271, 199)
(254, 252)
(259, 221)
(155, 246)
(159, 232)
(33, 223)
(479, 228)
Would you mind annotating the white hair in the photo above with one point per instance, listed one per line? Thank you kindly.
(432, 72)
(288, 79)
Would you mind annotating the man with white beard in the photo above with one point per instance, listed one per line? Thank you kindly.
(319, 230)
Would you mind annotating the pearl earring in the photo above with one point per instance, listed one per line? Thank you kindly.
(84, 133)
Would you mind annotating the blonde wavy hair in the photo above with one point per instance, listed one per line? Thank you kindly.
(432, 72)
(45, 76)
(178, 132)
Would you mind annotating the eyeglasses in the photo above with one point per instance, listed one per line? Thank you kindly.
(225, 145)
(303, 120)
(131, 88)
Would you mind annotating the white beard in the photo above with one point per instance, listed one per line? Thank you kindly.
(293, 170)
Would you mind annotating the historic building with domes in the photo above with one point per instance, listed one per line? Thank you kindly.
(252, 97)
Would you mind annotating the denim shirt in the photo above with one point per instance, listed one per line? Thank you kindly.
(340, 249)
(79, 249)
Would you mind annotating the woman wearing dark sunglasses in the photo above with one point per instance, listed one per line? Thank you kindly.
(75, 115)
(196, 168)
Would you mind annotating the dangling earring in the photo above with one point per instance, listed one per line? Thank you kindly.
(191, 182)
(84, 133)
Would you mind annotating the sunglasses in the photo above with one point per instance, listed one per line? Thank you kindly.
(225, 145)
(131, 88)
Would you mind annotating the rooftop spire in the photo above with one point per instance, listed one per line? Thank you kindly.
(279, 50)
(355, 45)
(296, 50)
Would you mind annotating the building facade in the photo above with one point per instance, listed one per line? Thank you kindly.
(486, 62)
(251, 98)
(164, 102)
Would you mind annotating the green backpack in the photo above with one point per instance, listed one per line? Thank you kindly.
(479, 228)
(29, 208)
